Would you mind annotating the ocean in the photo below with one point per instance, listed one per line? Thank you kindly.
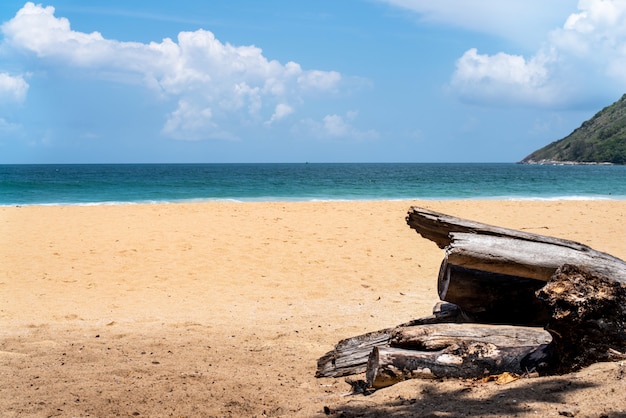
(88, 184)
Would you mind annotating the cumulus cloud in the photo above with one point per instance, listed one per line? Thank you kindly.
(12, 88)
(282, 110)
(504, 78)
(591, 45)
(208, 78)
(597, 36)
(189, 122)
(338, 127)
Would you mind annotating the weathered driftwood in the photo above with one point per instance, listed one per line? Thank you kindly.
(499, 276)
(389, 365)
(584, 297)
(476, 245)
(492, 298)
(433, 337)
(492, 273)
(533, 259)
(350, 355)
(459, 351)
(437, 227)
(588, 317)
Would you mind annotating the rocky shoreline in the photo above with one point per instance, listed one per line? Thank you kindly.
(556, 162)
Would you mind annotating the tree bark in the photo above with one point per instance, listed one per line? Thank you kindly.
(532, 259)
(588, 317)
(388, 365)
(350, 355)
(433, 337)
(437, 227)
(469, 244)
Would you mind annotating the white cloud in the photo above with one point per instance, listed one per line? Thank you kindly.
(524, 22)
(191, 122)
(337, 127)
(315, 79)
(583, 60)
(203, 74)
(504, 78)
(282, 110)
(596, 37)
(12, 88)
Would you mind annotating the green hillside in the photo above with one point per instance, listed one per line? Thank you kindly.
(601, 139)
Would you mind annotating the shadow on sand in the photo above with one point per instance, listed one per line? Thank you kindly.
(432, 401)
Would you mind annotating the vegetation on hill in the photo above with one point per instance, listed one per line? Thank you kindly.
(601, 139)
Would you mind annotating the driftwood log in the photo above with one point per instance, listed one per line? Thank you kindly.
(533, 259)
(350, 355)
(455, 350)
(588, 317)
(493, 275)
(433, 337)
(500, 275)
(493, 298)
(437, 227)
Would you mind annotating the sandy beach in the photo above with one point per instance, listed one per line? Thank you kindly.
(222, 309)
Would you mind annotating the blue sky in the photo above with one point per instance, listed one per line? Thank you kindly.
(308, 80)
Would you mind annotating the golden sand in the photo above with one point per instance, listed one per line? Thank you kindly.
(222, 309)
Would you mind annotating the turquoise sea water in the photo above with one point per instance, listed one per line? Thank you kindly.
(140, 183)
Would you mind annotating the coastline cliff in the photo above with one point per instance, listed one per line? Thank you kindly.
(599, 140)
